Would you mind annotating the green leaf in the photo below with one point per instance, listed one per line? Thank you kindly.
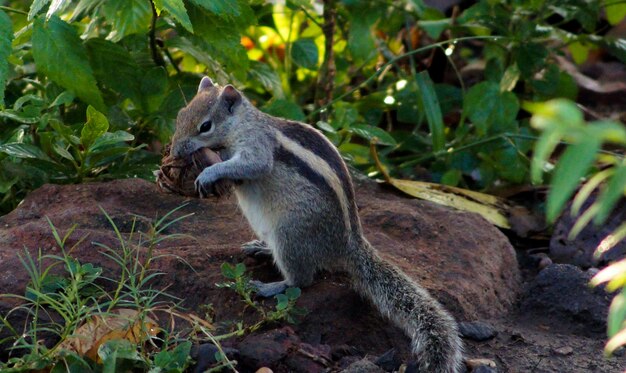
(430, 103)
(6, 37)
(24, 151)
(177, 9)
(489, 109)
(617, 314)
(579, 51)
(111, 138)
(281, 302)
(222, 8)
(325, 126)
(434, 28)
(571, 168)
(228, 271)
(293, 293)
(19, 116)
(57, 38)
(96, 126)
(153, 89)
(36, 7)
(615, 13)
(174, 360)
(369, 132)
(360, 39)
(240, 269)
(304, 53)
(614, 190)
(115, 68)
(284, 109)
(530, 57)
(64, 98)
(509, 78)
(267, 76)
(60, 150)
(127, 17)
(451, 177)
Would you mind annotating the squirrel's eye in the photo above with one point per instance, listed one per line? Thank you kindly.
(206, 126)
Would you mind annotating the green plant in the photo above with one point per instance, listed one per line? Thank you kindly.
(285, 308)
(604, 172)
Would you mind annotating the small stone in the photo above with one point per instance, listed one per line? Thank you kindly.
(264, 370)
(388, 361)
(473, 364)
(363, 366)
(565, 350)
(544, 262)
(265, 349)
(476, 330)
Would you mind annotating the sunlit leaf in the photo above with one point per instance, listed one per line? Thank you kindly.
(177, 9)
(571, 168)
(36, 7)
(21, 150)
(97, 125)
(127, 17)
(613, 191)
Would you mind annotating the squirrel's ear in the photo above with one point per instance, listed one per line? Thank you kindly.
(231, 98)
(205, 84)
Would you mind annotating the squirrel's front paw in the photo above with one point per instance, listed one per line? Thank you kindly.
(205, 185)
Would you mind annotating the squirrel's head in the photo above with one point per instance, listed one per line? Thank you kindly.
(207, 120)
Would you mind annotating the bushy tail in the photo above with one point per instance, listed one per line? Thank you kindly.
(435, 340)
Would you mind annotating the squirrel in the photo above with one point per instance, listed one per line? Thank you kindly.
(296, 192)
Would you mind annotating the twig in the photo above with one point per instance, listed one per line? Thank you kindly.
(156, 56)
(324, 90)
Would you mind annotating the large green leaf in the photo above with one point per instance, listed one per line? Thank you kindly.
(284, 109)
(127, 17)
(304, 53)
(6, 36)
(55, 39)
(571, 168)
(153, 88)
(115, 68)
(615, 12)
(96, 126)
(489, 109)
(430, 103)
(177, 9)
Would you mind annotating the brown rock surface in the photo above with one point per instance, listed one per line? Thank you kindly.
(465, 262)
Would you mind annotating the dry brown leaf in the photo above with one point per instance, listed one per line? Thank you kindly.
(121, 323)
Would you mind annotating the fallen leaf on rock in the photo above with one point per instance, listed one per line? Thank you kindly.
(120, 323)
(498, 211)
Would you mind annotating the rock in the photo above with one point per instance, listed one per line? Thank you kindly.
(464, 262)
(564, 351)
(363, 366)
(476, 331)
(266, 349)
(389, 361)
(562, 290)
(204, 355)
(580, 251)
(264, 370)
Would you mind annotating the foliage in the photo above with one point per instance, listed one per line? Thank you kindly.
(66, 301)
(394, 75)
(604, 172)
